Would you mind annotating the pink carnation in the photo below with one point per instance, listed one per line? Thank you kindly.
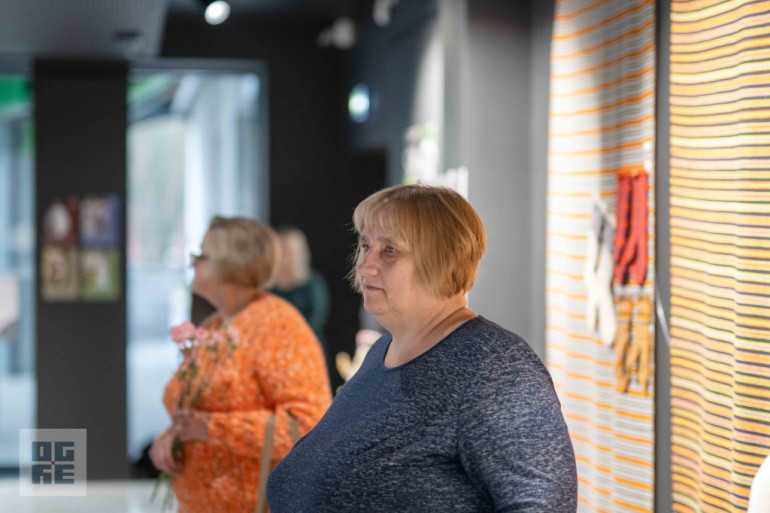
(218, 336)
(183, 332)
(202, 334)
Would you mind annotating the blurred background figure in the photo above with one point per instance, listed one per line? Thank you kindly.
(298, 283)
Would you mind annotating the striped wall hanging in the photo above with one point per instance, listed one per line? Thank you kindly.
(720, 250)
(600, 249)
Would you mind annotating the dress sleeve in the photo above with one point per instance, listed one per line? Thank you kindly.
(291, 372)
(513, 441)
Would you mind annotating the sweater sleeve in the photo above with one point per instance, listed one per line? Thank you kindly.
(513, 440)
(291, 372)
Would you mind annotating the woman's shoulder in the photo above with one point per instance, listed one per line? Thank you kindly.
(488, 345)
(270, 312)
(272, 322)
(489, 357)
(269, 306)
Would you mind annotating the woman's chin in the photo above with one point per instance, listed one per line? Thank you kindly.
(372, 307)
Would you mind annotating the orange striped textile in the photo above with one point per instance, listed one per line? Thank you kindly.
(720, 250)
(602, 104)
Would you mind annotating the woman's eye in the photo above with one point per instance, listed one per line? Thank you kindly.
(365, 247)
(389, 250)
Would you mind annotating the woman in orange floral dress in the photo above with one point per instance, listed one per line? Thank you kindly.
(277, 368)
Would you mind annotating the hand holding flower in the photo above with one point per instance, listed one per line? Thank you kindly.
(190, 424)
(202, 351)
(162, 456)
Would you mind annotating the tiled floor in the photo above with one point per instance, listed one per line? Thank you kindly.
(102, 497)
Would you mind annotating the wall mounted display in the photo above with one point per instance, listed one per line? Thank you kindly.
(720, 251)
(421, 160)
(80, 257)
(600, 245)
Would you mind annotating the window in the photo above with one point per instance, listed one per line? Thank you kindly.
(196, 148)
(17, 266)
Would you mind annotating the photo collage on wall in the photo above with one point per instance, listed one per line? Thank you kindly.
(80, 256)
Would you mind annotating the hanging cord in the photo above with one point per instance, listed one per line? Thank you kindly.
(661, 315)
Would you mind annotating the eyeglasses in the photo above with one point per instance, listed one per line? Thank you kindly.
(196, 259)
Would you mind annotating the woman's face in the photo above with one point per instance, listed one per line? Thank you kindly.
(205, 284)
(287, 265)
(388, 275)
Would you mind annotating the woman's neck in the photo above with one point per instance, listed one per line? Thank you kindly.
(233, 300)
(414, 336)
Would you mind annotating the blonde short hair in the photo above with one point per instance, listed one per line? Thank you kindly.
(242, 251)
(438, 225)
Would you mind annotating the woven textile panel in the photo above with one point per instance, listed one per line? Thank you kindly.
(720, 247)
(601, 126)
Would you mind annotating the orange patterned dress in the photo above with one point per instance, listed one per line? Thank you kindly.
(278, 367)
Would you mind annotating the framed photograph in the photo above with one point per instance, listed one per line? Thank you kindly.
(99, 221)
(60, 222)
(59, 273)
(100, 274)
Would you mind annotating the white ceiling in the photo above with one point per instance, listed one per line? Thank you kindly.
(81, 28)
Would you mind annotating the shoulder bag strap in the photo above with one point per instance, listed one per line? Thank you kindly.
(266, 465)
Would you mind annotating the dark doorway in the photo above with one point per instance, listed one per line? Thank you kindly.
(363, 174)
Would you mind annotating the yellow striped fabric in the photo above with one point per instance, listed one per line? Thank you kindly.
(720, 250)
(601, 122)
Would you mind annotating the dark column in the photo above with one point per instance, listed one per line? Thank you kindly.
(80, 124)
(663, 485)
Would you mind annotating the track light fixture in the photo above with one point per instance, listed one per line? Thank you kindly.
(216, 12)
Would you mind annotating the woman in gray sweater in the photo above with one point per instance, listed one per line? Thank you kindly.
(449, 411)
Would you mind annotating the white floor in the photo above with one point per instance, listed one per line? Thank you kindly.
(102, 497)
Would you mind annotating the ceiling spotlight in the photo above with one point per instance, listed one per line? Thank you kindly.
(217, 12)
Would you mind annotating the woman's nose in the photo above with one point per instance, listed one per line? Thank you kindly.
(367, 266)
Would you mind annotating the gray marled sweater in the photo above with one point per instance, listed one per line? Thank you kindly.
(471, 425)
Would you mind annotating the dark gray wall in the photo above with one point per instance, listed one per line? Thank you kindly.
(80, 149)
(486, 127)
(541, 29)
(388, 60)
(495, 136)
